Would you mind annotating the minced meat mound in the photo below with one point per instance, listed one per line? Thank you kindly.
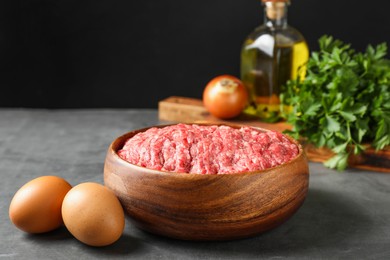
(204, 149)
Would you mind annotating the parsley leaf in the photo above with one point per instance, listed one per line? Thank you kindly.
(344, 100)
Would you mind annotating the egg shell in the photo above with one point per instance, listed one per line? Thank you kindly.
(93, 214)
(36, 206)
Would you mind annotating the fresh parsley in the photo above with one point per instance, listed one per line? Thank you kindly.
(343, 102)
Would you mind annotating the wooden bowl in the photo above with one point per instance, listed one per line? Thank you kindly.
(206, 207)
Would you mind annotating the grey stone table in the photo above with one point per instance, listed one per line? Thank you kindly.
(345, 216)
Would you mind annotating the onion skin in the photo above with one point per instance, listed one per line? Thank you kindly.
(225, 97)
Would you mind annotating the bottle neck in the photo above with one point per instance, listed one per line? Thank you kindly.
(275, 14)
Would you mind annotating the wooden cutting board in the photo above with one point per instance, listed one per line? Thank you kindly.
(190, 110)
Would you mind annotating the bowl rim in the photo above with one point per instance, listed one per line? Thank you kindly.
(120, 140)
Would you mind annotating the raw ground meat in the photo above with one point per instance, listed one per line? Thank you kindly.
(201, 149)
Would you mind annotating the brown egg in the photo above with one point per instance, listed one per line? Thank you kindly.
(93, 214)
(36, 206)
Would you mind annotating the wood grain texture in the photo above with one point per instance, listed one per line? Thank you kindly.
(371, 159)
(190, 110)
(206, 207)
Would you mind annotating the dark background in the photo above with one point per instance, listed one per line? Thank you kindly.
(131, 54)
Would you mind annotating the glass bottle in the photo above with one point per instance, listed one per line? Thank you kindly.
(271, 55)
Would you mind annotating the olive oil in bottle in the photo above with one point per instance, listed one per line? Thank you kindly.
(271, 55)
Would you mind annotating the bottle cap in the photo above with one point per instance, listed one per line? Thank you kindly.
(275, 9)
(284, 1)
